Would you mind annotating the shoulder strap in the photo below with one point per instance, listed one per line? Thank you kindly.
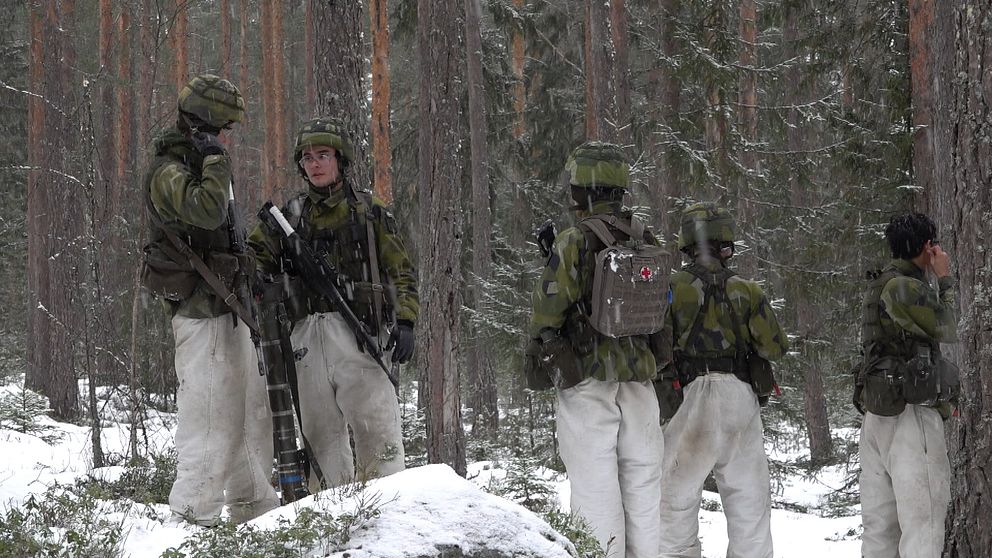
(598, 225)
(184, 251)
(714, 282)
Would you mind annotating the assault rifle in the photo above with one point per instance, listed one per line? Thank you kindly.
(322, 278)
(273, 363)
(545, 235)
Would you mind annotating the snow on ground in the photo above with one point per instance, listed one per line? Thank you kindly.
(419, 508)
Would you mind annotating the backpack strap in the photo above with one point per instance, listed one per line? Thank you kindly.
(598, 225)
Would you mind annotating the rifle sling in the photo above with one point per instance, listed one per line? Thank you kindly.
(213, 281)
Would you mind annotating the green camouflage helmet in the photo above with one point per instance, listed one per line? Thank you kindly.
(596, 164)
(212, 99)
(323, 131)
(705, 221)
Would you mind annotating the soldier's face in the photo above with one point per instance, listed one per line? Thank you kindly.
(321, 165)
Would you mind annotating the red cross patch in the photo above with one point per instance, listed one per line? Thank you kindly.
(646, 273)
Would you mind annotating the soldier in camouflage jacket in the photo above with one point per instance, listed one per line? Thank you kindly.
(905, 471)
(224, 431)
(607, 415)
(715, 316)
(339, 384)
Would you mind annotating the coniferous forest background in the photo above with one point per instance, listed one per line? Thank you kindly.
(813, 121)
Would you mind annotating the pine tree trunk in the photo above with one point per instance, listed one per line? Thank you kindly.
(620, 36)
(665, 94)
(814, 399)
(921, 14)
(481, 375)
(310, 87)
(601, 113)
(382, 155)
(960, 203)
(439, 27)
(225, 39)
(339, 70)
(716, 120)
(53, 223)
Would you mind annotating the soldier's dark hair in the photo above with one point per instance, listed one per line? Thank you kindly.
(907, 233)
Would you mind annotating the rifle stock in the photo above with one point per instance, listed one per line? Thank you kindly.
(322, 278)
(272, 363)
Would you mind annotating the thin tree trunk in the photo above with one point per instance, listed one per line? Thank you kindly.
(310, 85)
(180, 46)
(225, 38)
(273, 101)
(814, 400)
(601, 114)
(482, 376)
(382, 155)
(921, 15)
(716, 119)
(439, 160)
(621, 69)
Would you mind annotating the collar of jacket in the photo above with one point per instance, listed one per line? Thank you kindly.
(709, 264)
(602, 207)
(327, 196)
(909, 269)
(172, 142)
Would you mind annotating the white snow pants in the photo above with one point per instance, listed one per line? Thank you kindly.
(905, 484)
(610, 440)
(717, 428)
(224, 433)
(340, 386)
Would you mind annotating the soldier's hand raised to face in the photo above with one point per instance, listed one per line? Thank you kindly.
(940, 261)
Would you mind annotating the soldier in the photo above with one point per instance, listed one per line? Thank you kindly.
(721, 326)
(339, 384)
(607, 417)
(223, 414)
(905, 472)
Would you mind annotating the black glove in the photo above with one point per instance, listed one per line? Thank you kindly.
(207, 144)
(401, 342)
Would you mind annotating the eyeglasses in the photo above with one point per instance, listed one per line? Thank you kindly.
(323, 157)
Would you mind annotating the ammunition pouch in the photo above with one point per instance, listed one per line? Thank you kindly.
(761, 377)
(553, 358)
(288, 290)
(228, 267)
(165, 273)
(882, 393)
(927, 378)
(535, 375)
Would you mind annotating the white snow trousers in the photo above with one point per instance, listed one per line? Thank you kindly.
(717, 428)
(905, 484)
(224, 432)
(341, 386)
(610, 440)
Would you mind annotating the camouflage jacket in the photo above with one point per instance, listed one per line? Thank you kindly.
(558, 302)
(327, 220)
(718, 336)
(911, 308)
(190, 194)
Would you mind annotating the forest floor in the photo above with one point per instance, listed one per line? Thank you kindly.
(807, 520)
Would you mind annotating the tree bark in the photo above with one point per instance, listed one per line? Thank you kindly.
(665, 101)
(482, 376)
(382, 155)
(180, 46)
(961, 202)
(601, 113)
(620, 36)
(310, 86)
(274, 103)
(439, 160)
(225, 39)
(340, 75)
(814, 400)
(921, 14)
(716, 119)
(53, 223)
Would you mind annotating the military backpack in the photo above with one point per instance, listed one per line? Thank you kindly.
(630, 283)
